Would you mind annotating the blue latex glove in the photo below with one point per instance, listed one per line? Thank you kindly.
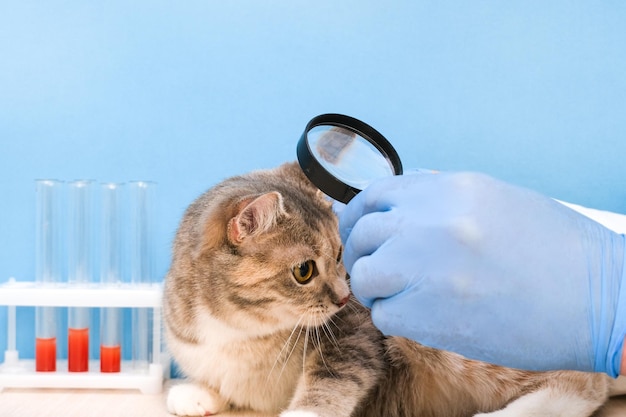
(466, 263)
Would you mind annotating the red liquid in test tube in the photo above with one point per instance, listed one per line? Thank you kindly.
(110, 358)
(110, 338)
(46, 354)
(78, 350)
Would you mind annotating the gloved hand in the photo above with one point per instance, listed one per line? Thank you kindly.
(466, 263)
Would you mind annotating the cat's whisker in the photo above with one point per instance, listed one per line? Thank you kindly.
(332, 317)
(295, 327)
(293, 348)
(319, 344)
(285, 346)
(331, 320)
(306, 343)
(325, 329)
(353, 308)
(330, 336)
(329, 332)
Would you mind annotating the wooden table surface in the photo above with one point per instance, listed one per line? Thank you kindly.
(118, 403)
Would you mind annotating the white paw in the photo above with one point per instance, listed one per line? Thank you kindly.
(298, 413)
(192, 400)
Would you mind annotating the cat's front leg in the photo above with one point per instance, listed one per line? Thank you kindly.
(194, 400)
(335, 386)
(319, 398)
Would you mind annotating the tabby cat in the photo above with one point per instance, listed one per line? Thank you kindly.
(258, 315)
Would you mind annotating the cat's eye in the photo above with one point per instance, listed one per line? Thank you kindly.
(340, 254)
(304, 272)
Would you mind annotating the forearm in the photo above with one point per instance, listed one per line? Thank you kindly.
(617, 223)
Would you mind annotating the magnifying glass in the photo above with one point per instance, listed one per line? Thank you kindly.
(342, 155)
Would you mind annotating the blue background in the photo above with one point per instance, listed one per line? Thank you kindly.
(186, 93)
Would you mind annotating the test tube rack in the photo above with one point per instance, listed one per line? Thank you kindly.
(17, 373)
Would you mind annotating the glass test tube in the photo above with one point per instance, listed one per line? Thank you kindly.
(141, 263)
(110, 274)
(80, 243)
(49, 194)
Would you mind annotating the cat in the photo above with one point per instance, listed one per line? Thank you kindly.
(258, 315)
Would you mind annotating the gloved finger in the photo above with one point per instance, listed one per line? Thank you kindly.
(378, 196)
(371, 279)
(367, 235)
(388, 320)
(374, 198)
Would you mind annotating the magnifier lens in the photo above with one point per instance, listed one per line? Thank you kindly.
(347, 155)
(342, 155)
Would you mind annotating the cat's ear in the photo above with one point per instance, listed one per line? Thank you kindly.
(256, 215)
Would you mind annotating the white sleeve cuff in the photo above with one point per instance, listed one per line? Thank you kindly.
(610, 220)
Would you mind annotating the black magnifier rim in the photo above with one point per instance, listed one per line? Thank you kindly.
(324, 180)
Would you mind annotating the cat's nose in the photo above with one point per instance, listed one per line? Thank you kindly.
(343, 301)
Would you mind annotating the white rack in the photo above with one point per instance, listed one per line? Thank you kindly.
(16, 373)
